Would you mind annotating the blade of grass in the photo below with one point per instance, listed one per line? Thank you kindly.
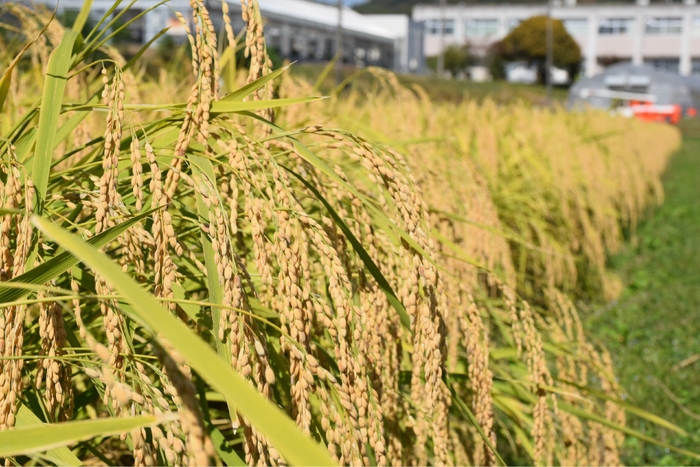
(7, 76)
(29, 440)
(463, 407)
(324, 74)
(622, 429)
(227, 454)
(4, 211)
(108, 14)
(362, 253)
(61, 263)
(60, 455)
(317, 162)
(241, 93)
(54, 87)
(94, 45)
(628, 407)
(269, 420)
(82, 17)
(216, 291)
(78, 117)
(217, 107)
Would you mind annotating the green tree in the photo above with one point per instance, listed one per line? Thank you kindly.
(528, 43)
(495, 62)
(457, 59)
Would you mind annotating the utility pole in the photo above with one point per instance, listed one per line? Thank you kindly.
(550, 46)
(441, 54)
(339, 45)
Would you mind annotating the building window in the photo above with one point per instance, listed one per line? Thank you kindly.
(328, 49)
(695, 67)
(695, 25)
(615, 26)
(668, 65)
(664, 25)
(432, 26)
(576, 26)
(481, 27)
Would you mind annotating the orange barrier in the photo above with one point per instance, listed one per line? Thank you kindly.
(657, 113)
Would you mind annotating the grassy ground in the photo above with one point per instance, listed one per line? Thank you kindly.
(653, 331)
(447, 90)
(500, 91)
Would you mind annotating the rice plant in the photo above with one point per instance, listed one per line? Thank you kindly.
(217, 267)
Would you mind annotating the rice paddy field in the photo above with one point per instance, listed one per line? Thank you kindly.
(226, 265)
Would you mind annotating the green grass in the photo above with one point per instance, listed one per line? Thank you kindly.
(655, 325)
(499, 91)
(444, 90)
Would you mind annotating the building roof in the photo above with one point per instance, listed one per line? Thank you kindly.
(398, 24)
(305, 11)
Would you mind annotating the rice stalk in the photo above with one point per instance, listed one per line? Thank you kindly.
(283, 238)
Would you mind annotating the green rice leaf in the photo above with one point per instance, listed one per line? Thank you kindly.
(241, 93)
(83, 16)
(317, 162)
(5, 211)
(204, 167)
(45, 437)
(114, 31)
(227, 454)
(362, 253)
(60, 455)
(269, 420)
(61, 263)
(78, 117)
(237, 107)
(7, 76)
(217, 107)
(628, 407)
(622, 429)
(470, 416)
(54, 87)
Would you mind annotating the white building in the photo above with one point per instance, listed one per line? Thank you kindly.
(298, 29)
(666, 36)
(408, 45)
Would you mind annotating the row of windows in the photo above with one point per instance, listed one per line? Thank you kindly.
(670, 65)
(472, 27)
(575, 26)
(615, 26)
(432, 26)
(664, 26)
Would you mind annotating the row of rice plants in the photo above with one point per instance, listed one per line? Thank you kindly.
(209, 267)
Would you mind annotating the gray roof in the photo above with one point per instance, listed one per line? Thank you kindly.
(668, 88)
(303, 12)
(324, 15)
(693, 82)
